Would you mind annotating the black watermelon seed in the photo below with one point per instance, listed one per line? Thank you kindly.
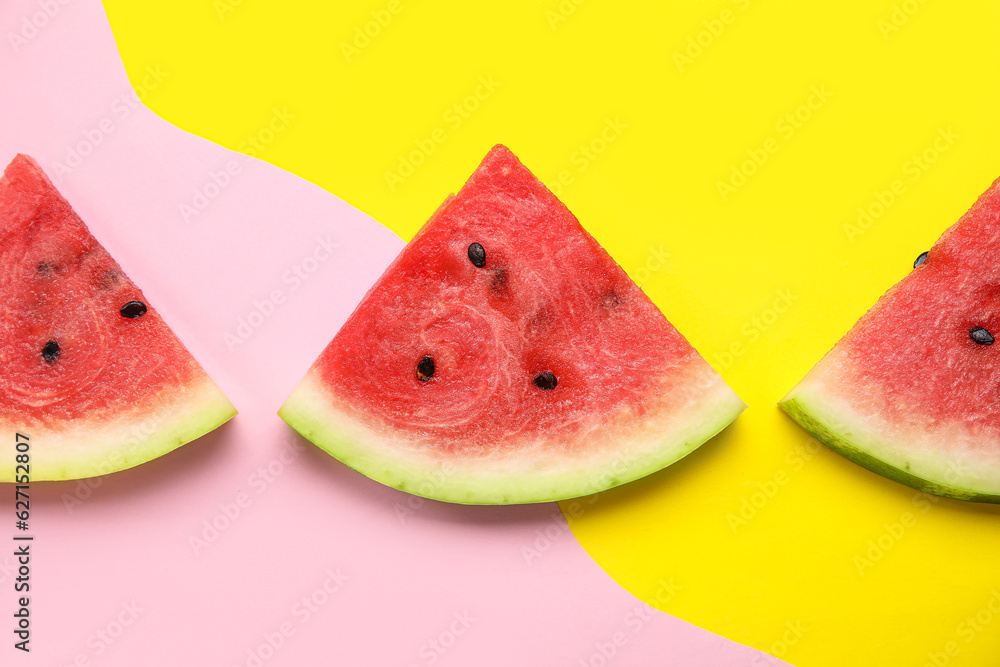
(45, 269)
(477, 255)
(425, 369)
(921, 258)
(546, 380)
(51, 351)
(981, 336)
(133, 309)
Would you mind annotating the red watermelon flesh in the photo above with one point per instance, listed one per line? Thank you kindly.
(631, 395)
(908, 392)
(94, 389)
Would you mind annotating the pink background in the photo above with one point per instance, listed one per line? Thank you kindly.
(300, 558)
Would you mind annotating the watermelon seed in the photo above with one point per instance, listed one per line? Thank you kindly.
(921, 258)
(51, 351)
(546, 380)
(45, 269)
(133, 309)
(981, 336)
(425, 369)
(477, 255)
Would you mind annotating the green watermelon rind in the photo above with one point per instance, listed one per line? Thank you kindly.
(800, 411)
(310, 412)
(104, 446)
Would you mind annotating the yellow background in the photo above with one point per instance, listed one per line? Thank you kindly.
(762, 282)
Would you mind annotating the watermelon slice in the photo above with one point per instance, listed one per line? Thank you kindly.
(912, 392)
(91, 373)
(504, 357)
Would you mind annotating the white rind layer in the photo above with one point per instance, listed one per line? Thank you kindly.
(84, 448)
(535, 472)
(946, 459)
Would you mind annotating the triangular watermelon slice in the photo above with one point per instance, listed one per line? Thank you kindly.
(912, 392)
(92, 378)
(504, 357)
